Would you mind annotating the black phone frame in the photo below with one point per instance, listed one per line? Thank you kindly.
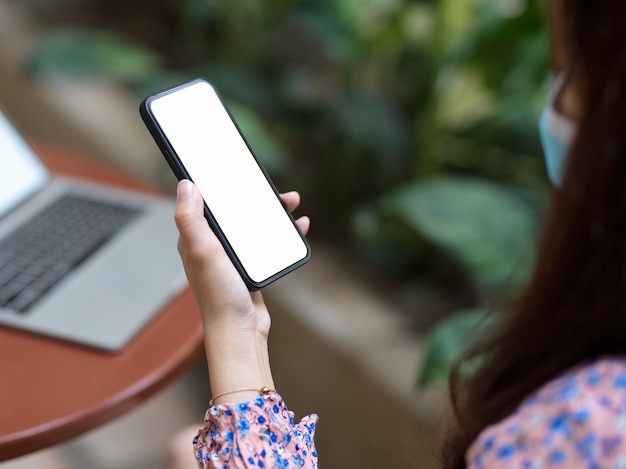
(181, 173)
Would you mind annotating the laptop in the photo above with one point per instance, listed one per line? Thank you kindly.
(79, 261)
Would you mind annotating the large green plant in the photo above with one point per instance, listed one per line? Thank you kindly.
(485, 128)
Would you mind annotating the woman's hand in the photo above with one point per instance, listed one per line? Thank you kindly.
(221, 294)
(236, 321)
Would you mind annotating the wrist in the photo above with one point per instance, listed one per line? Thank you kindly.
(250, 394)
(243, 320)
(237, 359)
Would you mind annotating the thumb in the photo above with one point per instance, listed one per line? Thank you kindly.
(189, 214)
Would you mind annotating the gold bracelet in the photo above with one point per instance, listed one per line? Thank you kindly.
(264, 391)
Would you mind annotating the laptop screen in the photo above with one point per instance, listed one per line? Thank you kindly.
(21, 171)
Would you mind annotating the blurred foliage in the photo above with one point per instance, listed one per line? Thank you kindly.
(408, 125)
(447, 340)
(480, 224)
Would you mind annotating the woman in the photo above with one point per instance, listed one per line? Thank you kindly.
(551, 387)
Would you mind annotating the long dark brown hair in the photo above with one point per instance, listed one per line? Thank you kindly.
(574, 307)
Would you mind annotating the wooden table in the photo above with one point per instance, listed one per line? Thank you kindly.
(52, 391)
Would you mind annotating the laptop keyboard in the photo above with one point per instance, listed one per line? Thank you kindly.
(39, 253)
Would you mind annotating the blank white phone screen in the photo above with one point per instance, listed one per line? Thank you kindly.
(230, 180)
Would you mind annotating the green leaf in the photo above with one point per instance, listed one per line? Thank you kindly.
(75, 53)
(372, 125)
(484, 227)
(511, 53)
(446, 341)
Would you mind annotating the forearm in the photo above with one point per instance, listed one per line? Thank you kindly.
(237, 359)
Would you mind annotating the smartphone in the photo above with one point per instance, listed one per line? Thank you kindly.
(201, 142)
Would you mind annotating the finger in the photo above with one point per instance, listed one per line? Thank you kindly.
(304, 224)
(189, 216)
(291, 200)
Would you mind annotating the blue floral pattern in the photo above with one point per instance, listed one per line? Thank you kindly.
(255, 434)
(577, 420)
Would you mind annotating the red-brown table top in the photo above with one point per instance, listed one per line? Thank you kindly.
(52, 391)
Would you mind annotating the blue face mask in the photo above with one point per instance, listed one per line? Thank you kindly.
(557, 133)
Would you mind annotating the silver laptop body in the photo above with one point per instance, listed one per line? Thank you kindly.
(107, 298)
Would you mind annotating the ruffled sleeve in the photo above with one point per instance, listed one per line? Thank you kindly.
(259, 433)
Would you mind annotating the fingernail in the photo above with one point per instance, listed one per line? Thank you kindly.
(184, 189)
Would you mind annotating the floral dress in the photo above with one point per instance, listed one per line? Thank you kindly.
(255, 434)
(575, 421)
(578, 420)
